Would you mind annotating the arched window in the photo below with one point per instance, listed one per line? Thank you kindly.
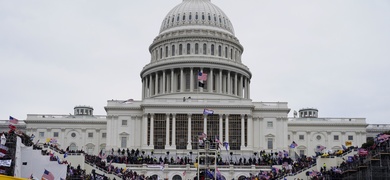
(188, 48)
(231, 54)
(180, 49)
(212, 49)
(215, 18)
(161, 53)
(178, 18)
(190, 17)
(209, 17)
(173, 19)
(166, 51)
(173, 50)
(196, 48)
(176, 177)
(184, 17)
(196, 16)
(219, 51)
(226, 52)
(204, 48)
(73, 147)
(203, 16)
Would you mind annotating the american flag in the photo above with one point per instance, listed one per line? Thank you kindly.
(202, 76)
(13, 120)
(47, 175)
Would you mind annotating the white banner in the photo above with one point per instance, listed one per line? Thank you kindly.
(6, 163)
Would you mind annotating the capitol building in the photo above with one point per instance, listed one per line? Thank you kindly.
(196, 82)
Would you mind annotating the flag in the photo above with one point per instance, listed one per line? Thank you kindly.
(13, 120)
(12, 127)
(226, 144)
(208, 111)
(217, 140)
(320, 148)
(66, 154)
(348, 143)
(293, 144)
(53, 141)
(47, 175)
(58, 160)
(109, 166)
(202, 76)
(2, 147)
(6, 163)
(3, 139)
(202, 135)
(201, 84)
(218, 172)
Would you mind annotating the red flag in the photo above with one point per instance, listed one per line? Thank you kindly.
(12, 127)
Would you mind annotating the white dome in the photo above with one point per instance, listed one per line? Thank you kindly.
(196, 14)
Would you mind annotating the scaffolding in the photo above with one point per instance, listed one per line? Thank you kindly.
(207, 160)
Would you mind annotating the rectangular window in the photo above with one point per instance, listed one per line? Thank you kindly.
(41, 134)
(124, 122)
(104, 135)
(301, 152)
(270, 143)
(123, 142)
(90, 135)
(350, 138)
(55, 134)
(301, 137)
(270, 124)
(336, 137)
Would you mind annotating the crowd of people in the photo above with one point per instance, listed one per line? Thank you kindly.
(280, 159)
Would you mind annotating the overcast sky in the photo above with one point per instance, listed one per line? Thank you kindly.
(331, 54)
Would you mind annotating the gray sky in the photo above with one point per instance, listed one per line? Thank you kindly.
(332, 55)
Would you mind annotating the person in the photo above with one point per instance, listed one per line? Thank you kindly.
(324, 167)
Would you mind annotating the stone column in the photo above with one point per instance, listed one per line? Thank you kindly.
(163, 83)
(211, 80)
(173, 145)
(201, 89)
(167, 132)
(235, 84)
(150, 85)
(181, 80)
(246, 88)
(205, 123)
(172, 81)
(249, 88)
(220, 81)
(144, 131)
(220, 127)
(241, 86)
(242, 131)
(152, 130)
(229, 86)
(156, 84)
(192, 80)
(227, 129)
(189, 140)
(250, 131)
(143, 88)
